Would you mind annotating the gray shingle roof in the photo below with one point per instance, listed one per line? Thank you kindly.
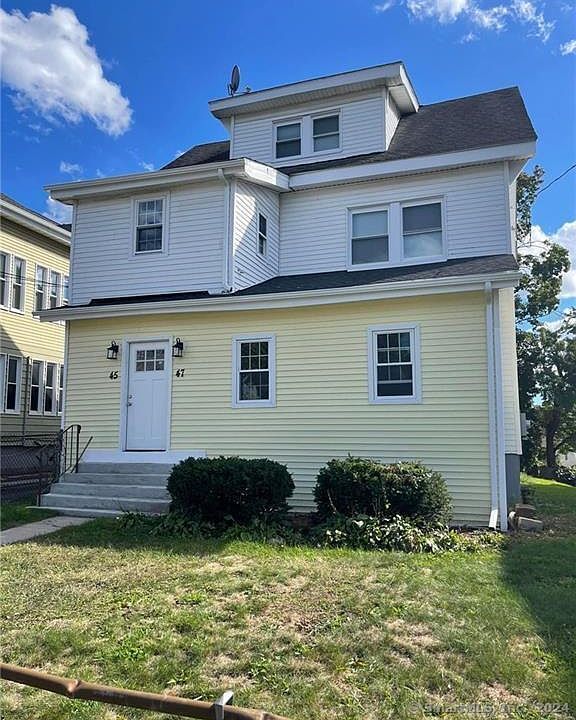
(486, 120)
(340, 279)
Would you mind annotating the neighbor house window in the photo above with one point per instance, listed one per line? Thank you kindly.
(18, 278)
(50, 388)
(60, 389)
(288, 140)
(40, 288)
(326, 133)
(394, 364)
(4, 279)
(12, 384)
(254, 371)
(54, 289)
(262, 234)
(36, 386)
(422, 230)
(149, 225)
(65, 290)
(369, 237)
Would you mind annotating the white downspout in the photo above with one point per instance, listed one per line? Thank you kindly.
(228, 245)
(500, 432)
(491, 409)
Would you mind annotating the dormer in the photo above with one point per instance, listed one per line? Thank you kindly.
(337, 116)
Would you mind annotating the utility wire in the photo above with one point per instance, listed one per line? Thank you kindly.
(555, 180)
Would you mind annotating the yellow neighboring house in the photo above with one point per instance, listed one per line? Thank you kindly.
(34, 270)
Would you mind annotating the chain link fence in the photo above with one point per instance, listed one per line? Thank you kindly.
(29, 464)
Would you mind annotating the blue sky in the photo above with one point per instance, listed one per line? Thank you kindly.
(144, 71)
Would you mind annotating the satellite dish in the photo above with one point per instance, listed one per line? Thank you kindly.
(234, 80)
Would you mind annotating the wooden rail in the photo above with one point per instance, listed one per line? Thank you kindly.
(80, 690)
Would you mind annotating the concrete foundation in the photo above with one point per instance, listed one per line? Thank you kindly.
(513, 479)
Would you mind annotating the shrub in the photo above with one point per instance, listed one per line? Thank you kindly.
(566, 475)
(230, 489)
(357, 486)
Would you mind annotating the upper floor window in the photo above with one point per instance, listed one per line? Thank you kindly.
(262, 234)
(18, 276)
(422, 230)
(54, 289)
(326, 133)
(149, 225)
(4, 278)
(40, 288)
(394, 360)
(254, 371)
(369, 237)
(288, 140)
(65, 290)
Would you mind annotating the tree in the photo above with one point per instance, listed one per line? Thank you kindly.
(546, 352)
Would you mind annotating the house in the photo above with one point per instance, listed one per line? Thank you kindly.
(335, 278)
(34, 269)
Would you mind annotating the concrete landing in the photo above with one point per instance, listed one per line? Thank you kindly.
(35, 529)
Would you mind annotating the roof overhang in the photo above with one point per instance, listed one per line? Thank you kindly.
(326, 296)
(388, 168)
(32, 221)
(391, 75)
(243, 169)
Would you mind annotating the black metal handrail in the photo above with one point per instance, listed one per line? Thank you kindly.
(69, 449)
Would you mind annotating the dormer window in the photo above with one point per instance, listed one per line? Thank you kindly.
(326, 133)
(288, 140)
(149, 225)
(262, 234)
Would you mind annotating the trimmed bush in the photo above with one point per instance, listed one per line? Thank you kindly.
(357, 486)
(566, 475)
(230, 489)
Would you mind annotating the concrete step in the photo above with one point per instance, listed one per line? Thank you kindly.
(152, 492)
(57, 501)
(142, 468)
(115, 479)
(82, 512)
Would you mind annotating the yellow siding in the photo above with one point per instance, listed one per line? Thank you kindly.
(22, 334)
(322, 406)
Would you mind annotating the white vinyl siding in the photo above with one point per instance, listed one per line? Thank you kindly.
(392, 119)
(315, 224)
(104, 261)
(512, 434)
(361, 128)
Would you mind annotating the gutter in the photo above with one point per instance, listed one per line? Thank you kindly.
(299, 298)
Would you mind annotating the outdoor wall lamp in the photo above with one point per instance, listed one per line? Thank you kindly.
(178, 348)
(112, 351)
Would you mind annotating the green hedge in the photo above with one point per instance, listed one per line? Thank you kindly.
(230, 489)
(357, 486)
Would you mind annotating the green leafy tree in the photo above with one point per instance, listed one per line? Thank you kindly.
(546, 354)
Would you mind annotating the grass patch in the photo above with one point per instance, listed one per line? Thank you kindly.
(307, 633)
(18, 513)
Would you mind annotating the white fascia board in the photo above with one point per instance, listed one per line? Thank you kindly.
(376, 170)
(43, 226)
(301, 298)
(69, 192)
(318, 88)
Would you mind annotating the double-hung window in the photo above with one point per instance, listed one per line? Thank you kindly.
(12, 384)
(54, 289)
(36, 382)
(394, 364)
(254, 371)
(18, 284)
(289, 139)
(422, 230)
(4, 279)
(326, 133)
(149, 225)
(40, 288)
(369, 237)
(50, 381)
(65, 290)
(60, 389)
(262, 234)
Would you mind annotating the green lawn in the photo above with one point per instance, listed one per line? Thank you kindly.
(319, 634)
(19, 513)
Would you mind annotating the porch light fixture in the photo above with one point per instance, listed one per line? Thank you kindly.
(112, 351)
(178, 348)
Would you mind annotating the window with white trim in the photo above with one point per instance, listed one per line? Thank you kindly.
(60, 389)
(41, 281)
(262, 234)
(422, 230)
(326, 133)
(149, 225)
(65, 290)
(394, 364)
(4, 279)
(288, 139)
(2, 381)
(369, 237)
(36, 381)
(12, 384)
(254, 371)
(54, 289)
(18, 284)
(50, 388)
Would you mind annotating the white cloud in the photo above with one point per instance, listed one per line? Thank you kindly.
(492, 17)
(468, 38)
(148, 167)
(58, 212)
(568, 48)
(383, 7)
(70, 168)
(565, 236)
(52, 68)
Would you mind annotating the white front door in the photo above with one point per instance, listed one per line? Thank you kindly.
(147, 399)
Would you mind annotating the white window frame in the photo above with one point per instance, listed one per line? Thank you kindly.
(237, 340)
(165, 208)
(319, 116)
(417, 203)
(360, 211)
(60, 391)
(40, 386)
(54, 388)
(260, 234)
(415, 351)
(54, 281)
(45, 281)
(5, 299)
(3, 371)
(13, 308)
(16, 410)
(65, 283)
(281, 123)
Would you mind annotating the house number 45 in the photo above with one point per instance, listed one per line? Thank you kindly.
(180, 372)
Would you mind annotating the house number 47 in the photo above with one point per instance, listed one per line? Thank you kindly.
(180, 372)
